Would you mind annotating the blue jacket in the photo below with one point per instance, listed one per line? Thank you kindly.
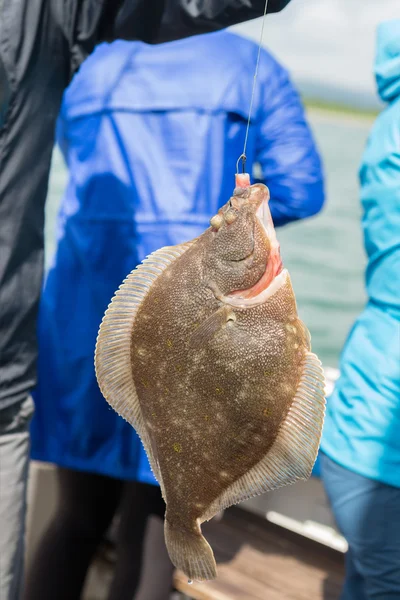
(151, 136)
(362, 428)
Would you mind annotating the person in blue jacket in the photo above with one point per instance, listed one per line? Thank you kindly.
(151, 136)
(360, 462)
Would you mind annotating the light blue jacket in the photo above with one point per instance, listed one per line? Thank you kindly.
(362, 428)
(151, 135)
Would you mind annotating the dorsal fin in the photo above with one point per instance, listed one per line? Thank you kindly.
(113, 346)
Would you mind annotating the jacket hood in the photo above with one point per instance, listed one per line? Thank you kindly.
(387, 60)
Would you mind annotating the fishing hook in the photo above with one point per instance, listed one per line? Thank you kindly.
(243, 158)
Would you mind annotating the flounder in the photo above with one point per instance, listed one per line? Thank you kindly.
(202, 351)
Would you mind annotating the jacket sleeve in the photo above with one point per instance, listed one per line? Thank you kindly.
(182, 18)
(286, 152)
(89, 22)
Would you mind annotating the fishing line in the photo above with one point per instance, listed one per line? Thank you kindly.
(243, 157)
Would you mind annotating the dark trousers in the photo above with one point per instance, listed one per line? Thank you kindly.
(87, 505)
(367, 513)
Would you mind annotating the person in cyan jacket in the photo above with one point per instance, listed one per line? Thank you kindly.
(361, 441)
(151, 136)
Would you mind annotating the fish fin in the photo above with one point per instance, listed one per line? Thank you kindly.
(113, 346)
(190, 552)
(294, 451)
(211, 325)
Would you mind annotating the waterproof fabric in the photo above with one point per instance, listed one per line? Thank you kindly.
(151, 148)
(362, 425)
(42, 43)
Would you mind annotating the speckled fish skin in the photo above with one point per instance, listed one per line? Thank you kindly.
(228, 395)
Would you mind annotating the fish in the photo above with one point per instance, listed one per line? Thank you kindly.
(202, 351)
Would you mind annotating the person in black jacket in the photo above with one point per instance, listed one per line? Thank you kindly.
(42, 44)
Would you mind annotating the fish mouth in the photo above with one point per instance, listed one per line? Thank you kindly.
(274, 275)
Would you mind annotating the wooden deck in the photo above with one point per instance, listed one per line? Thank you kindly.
(261, 561)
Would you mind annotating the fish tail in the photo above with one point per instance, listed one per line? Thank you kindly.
(190, 552)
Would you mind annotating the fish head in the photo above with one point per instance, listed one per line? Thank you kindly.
(244, 255)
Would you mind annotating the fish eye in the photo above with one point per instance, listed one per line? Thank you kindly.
(230, 216)
(216, 221)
